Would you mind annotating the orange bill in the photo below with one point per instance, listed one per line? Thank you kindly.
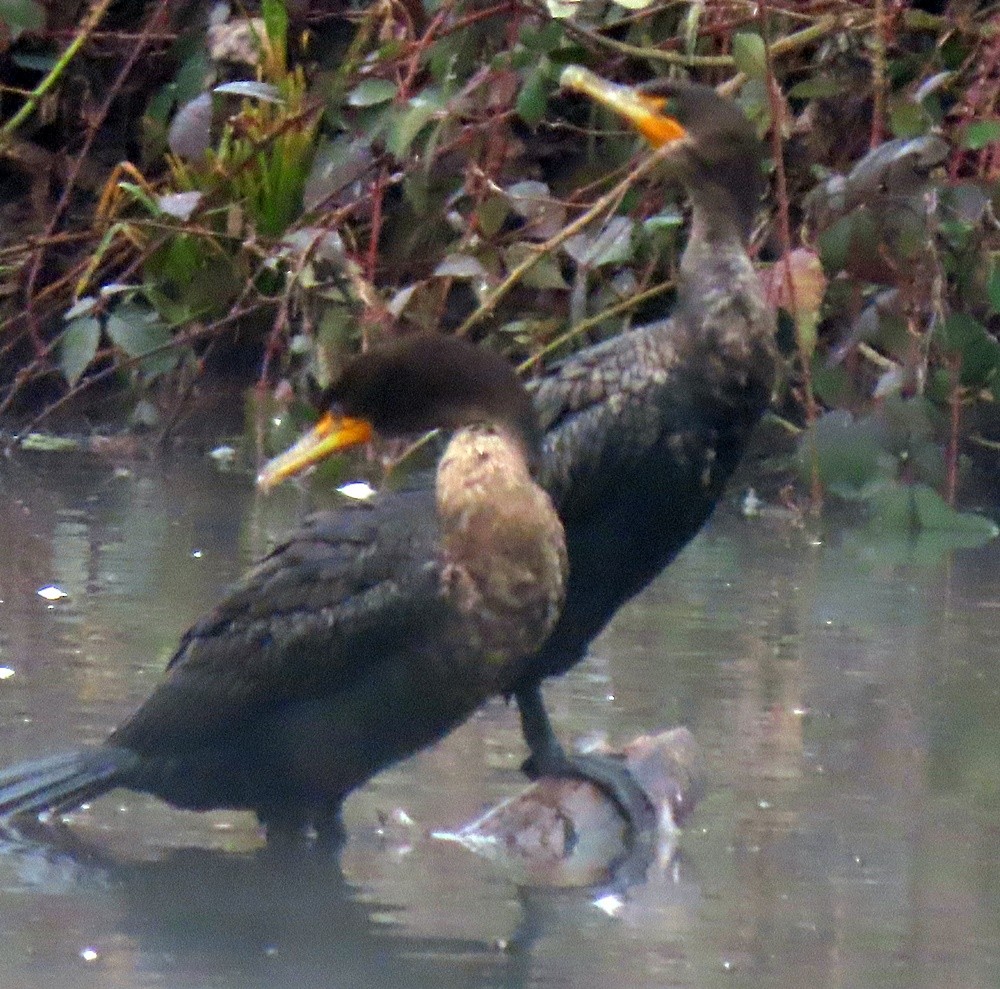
(643, 112)
(329, 435)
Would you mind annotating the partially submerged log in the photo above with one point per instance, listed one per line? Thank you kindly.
(567, 832)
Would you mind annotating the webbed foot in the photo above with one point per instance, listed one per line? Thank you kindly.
(608, 773)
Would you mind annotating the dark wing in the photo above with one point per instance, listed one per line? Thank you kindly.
(595, 413)
(310, 618)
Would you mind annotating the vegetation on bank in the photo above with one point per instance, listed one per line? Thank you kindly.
(187, 186)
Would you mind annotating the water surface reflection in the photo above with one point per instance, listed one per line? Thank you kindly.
(846, 692)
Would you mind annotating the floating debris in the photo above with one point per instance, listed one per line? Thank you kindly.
(567, 832)
(359, 490)
(52, 593)
(611, 904)
(46, 443)
(224, 454)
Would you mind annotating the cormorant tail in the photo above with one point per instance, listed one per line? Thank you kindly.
(61, 782)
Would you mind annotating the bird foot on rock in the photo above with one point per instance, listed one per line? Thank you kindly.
(609, 774)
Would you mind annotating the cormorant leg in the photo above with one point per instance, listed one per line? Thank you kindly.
(285, 827)
(290, 828)
(549, 758)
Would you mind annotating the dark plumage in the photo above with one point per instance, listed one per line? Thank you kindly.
(642, 432)
(640, 435)
(368, 634)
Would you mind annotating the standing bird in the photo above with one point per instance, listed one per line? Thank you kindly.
(643, 431)
(369, 633)
(261, 708)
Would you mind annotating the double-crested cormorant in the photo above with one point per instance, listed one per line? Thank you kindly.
(369, 633)
(643, 431)
(309, 689)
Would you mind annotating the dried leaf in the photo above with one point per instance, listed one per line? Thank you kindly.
(179, 205)
(461, 266)
(796, 283)
(251, 89)
(533, 200)
(190, 133)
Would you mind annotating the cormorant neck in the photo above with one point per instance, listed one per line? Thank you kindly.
(503, 546)
(720, 301)
(717, 217)
(716, 250)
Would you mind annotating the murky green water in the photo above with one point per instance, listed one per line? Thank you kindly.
(847, 695)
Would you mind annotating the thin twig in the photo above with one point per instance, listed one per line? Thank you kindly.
(97, 12)
(879, 73)
(70, 183)
(793, 42)
(625, 305)
(606, 203)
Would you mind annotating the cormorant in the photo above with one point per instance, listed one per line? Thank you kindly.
(641, 434)
(366, 635)
(643, 431)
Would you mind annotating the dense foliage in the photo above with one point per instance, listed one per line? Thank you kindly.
(188, 185)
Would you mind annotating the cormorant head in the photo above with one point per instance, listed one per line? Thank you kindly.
(410, 385)
(714, 151)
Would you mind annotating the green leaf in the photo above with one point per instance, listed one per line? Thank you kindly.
(47, 443)
(275, 22)
(534, 201)
(21, 16)
(533, 99)
(251, 89)
(78, 346)
(908, 120)
(491, 215)
(34, 63)
(851, 460)
(613, 244)
(541, 39)
(918, 508)
(193, 76)
(372, 92)
(832, 385)
(137, 192)
(979, 133)
(138, 333)
(957, 331)
(750, 55)
(994, 286)
(819, 87)
(835, 243)
(543, 274)
(407, 125)
(668, 219)
(82, 307)
(806, 326)
(980, 353)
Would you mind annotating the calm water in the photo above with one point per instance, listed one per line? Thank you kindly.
(847, 693)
